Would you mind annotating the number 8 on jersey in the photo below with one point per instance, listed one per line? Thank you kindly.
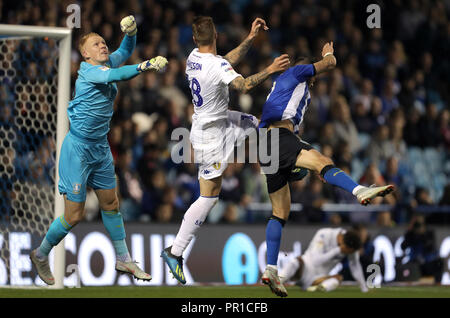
(195, 88)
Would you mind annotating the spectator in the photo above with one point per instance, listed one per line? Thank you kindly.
(410, 50)
(344, 127)
(429, 127)
(419, 246)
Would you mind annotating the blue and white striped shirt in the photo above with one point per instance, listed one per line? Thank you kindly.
(289, 97)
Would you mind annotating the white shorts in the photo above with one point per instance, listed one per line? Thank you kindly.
(214, 143)
(310, 273)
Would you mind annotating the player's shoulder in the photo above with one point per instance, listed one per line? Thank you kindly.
(87, 67)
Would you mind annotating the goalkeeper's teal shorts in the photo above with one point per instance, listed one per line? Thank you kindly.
(84, 163)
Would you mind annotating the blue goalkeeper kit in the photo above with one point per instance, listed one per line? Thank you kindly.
(86, 158)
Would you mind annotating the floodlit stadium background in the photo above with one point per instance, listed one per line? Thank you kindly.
(382, 114)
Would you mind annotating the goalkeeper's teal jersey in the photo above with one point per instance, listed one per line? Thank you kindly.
(91, 109)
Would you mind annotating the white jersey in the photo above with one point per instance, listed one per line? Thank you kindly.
(325, 242)
(209, 76)
(323, 254)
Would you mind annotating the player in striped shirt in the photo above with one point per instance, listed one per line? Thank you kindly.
(283, 111)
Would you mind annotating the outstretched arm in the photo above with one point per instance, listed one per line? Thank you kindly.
(104, 74)
(243, 85)
(357, 271)
(328, 61)
(124, 52)
(129, 27)
(236, 55)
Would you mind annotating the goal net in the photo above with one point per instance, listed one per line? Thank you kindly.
(34, 92)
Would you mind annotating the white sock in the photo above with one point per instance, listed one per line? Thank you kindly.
(330, 284)
(357, 188)
(272, 267)
(289, 270)
(192, 220)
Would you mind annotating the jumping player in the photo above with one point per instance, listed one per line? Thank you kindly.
(86, 158)
(284, 110)
(213, 125)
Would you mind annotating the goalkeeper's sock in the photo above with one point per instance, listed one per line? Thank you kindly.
(273, 239)
(57, 231)
(121, 249)
(113, 222)
(44, 249)
(192, 220)
(337, 177)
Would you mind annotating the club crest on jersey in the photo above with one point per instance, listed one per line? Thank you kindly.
(104, 68)
(217, 166)
(76, 188)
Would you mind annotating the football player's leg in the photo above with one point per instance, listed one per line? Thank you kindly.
(103, 180)
(192, 220)
(197, 212)
(281, 205)
(290, 270)
(72, 184)
(314, 160)
(326, 283)
(280, 198)
(113, 222)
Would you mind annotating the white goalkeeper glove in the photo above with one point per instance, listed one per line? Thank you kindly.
(157, 63)
(128, 25)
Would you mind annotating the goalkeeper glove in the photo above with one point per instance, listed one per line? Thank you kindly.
(157, 63)
(128, 25)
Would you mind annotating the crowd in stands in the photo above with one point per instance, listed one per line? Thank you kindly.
(382, 114)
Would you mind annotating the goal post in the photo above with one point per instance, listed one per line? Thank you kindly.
(42, 88)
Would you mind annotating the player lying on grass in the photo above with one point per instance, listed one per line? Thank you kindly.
(283, 112)
(327, 248)
(86, 158)
(214, 127)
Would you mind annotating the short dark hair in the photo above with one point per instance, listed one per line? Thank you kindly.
(352, 240)
(203, 30)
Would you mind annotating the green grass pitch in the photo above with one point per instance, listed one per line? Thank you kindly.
(224, 292)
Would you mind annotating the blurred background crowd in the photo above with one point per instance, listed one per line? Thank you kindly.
(382, 114)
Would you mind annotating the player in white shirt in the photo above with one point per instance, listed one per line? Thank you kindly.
(328, 247)
(215, 130)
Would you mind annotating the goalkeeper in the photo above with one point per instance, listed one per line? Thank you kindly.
(86, 158)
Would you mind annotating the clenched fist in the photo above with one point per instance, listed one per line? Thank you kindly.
(128, 25)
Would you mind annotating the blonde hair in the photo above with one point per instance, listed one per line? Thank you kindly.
(83, 40)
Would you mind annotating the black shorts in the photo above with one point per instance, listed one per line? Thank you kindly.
(289, 146)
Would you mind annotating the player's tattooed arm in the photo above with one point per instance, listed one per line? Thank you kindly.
(236, 55)
(245, 85)
(279, 64)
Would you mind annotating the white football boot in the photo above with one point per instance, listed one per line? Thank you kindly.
(270, 278)
(366, 194)
(43, 268)
(132, 269)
